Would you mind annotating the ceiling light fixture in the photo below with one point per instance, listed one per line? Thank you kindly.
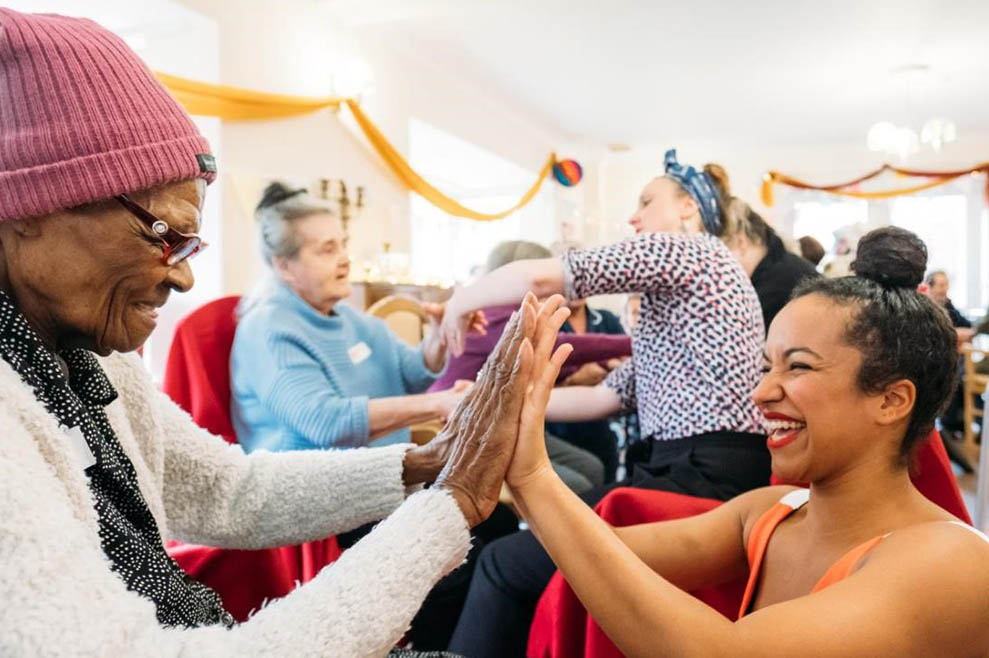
(914, 81)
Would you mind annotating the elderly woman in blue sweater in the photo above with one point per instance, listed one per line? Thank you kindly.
(309, 372)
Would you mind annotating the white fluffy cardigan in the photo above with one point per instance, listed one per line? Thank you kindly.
(58, 596)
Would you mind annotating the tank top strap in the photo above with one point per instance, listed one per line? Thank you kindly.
(759, 536)
(845, 565)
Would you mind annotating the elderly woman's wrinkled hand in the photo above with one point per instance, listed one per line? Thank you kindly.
(530, 460)
(485, 425)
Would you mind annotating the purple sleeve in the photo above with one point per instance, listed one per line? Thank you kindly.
(621, 380)
(588, 348)
(651, 262)
(465, 366)
(476, 350)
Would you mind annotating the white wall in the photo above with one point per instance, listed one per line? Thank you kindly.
(296, 48)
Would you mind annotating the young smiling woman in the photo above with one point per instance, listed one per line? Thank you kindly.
(855, 372)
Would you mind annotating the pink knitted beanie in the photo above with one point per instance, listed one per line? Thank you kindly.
(83, 119)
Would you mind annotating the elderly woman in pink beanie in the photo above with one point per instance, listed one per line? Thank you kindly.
(102, 180)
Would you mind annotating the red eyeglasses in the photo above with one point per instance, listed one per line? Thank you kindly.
(178, 246)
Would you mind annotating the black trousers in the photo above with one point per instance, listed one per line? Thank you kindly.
(512, 572)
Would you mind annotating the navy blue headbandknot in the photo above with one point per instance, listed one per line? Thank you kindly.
(700, 187)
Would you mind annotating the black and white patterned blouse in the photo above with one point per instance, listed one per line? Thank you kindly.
(128, 532)
(696, 352)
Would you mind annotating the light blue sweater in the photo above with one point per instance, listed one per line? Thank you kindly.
(302, 380)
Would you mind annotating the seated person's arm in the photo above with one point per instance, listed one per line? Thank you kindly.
(593, 348)
(293, 387)
(509, 283)
(506, 285)
(433, 349)
(389, 414)
(576, 404)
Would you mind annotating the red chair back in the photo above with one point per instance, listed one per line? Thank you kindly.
(197, 378)
(930, 472)
(197, 372)
(563, 629)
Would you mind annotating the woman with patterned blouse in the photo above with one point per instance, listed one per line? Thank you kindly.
(696, 358)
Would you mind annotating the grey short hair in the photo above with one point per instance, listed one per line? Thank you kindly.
(513, 250)
(279, 209)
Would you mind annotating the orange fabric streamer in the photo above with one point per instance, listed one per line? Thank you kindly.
(841, 189)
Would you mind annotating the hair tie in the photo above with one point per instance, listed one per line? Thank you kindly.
(274, 198)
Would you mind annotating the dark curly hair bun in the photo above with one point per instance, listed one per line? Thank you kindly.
(277, 192)
(892, 257)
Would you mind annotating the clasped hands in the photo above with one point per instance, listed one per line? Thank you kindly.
(496, 432)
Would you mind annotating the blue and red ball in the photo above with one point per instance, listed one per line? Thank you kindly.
(567, 172)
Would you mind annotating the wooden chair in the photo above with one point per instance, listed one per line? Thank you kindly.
(407, 318)
(975, 385)
(403, 315)
(423, 433)
(982, 485)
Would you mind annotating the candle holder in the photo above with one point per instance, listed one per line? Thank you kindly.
(347, 208)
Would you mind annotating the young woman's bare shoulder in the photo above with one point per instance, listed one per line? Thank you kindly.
(937, 539)
(949, 558)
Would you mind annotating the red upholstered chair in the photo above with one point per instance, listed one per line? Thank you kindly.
(197, 378)
(197, 373)
(563, 629)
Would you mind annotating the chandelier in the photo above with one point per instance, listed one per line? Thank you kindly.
(903, 141)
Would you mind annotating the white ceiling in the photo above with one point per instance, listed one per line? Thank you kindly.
(637, 72)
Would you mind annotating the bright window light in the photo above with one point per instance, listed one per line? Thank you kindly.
(449, 249)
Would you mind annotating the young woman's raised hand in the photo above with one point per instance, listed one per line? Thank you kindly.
(530, 459)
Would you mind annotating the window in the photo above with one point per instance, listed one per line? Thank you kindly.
(950, 219)
(941, 221)
(821, 218)
(448, 249)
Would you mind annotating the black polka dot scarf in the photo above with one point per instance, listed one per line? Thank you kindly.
(128, 532)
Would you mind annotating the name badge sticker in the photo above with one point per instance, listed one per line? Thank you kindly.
(80, 448)
(359, 353)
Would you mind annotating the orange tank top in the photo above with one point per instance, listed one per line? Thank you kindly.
(759, 541)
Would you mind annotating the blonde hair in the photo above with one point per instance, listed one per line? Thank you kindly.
(734, 211)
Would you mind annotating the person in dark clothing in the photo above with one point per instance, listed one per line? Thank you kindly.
(937, 289)
(952, 421)
(774, 271)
